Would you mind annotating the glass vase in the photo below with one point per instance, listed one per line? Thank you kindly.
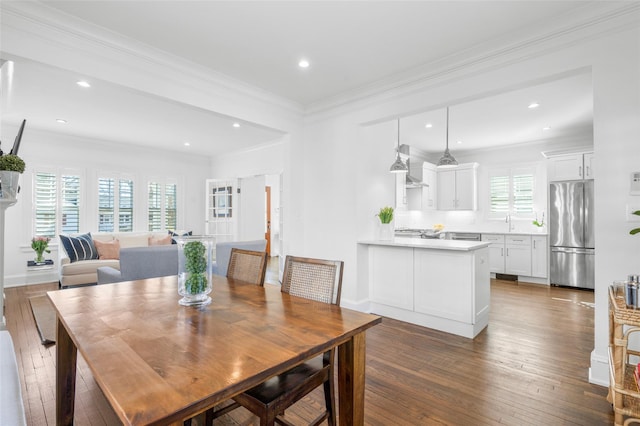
(195, 276)
(39, 257)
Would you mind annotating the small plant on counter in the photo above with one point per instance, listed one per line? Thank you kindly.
(539, 224)
(635, 230)
(385, 214)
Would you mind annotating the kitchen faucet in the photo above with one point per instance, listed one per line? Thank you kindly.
(507, 220)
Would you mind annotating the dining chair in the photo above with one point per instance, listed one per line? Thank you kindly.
(247, 265)
(319, 280)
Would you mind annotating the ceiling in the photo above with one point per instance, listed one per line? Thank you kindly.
(352, 46)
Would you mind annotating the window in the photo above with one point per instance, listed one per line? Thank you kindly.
(115, 200)
(56, 204)
(162, 206)
(511, 191)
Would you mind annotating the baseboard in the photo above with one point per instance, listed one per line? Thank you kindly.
(361, 306)
(599, 370)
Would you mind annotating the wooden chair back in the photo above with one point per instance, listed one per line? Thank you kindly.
(247, 265)
(314, 279)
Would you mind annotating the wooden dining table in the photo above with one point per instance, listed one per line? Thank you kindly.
(158, 362)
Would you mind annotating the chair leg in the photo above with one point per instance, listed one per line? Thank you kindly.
(330, 401)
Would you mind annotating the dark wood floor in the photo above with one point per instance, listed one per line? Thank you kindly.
(529, 367)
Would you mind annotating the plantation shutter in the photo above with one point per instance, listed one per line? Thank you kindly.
(155, 206)
(106, 203)
(125, 205)
(523, 193)
(45, 195)
(499, 193)
(170, 206)
(70, 200)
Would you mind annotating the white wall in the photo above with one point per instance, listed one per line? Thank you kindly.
(335, 184)
(90, 157)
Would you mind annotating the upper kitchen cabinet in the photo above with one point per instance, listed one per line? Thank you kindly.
(457, 188)
(571, 166)
(429, 188)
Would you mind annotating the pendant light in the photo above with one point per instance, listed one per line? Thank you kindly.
(447, 159)
(398, 166)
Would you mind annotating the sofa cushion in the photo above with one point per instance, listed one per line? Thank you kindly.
(80, 247)
(87, 266)
(108, 250)
(133, 240)
(160, 241)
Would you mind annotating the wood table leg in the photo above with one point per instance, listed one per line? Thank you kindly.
(351, 370)
(66, 358)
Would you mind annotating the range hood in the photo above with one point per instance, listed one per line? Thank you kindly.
(414, 176)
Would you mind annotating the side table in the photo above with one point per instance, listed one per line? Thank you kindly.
(623, 391)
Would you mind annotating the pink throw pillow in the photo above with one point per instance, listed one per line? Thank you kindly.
(159, 241)
(108, 249)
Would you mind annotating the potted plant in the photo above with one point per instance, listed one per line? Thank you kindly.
(634, 231)
(40, 245)
(11, 166)
(386, 217)
(195, 278)
(539, 224)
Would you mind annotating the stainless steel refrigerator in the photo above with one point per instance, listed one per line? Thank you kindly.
(571, 235)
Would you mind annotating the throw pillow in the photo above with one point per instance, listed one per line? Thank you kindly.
(160, 241)
(80, 247)
(179, 234)
(108, 250)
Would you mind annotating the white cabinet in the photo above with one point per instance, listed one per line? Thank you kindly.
(456, 188)
(496, 252)
(392, 286)
(517, 260)
(539, 256)
(517, 254)
(571, 167)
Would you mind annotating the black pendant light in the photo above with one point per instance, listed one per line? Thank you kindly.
(447, 159)
(398, 166)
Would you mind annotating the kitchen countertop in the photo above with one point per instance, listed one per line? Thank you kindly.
(490, 231)
(434, 244)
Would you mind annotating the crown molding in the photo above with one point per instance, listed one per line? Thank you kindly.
(594, 20)
(54, 28)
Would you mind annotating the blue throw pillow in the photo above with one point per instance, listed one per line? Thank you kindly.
(80, 247)
(178, 234)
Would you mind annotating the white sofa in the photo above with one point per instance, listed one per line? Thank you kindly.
(84, 272)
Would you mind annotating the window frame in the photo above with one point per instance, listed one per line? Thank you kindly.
(163, 183)
(59, 208)
(117, 178)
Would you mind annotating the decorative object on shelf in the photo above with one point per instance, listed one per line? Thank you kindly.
(539, 224)
(40, 246)
(398, 166)
(634, 231)
(11, 166)
(447, 159)
(195, 255)
(386, 217)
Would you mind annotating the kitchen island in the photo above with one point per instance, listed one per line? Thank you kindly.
(440, 284)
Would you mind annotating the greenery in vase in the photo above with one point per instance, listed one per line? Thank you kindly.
(540, 223)
(386, 214)
(635, 230)
(40, 245)
(196, 267)
(12, 163)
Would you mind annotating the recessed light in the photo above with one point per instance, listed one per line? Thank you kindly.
(303, 63)
(61, 121)
(187, 144)
(83, 83)
(533, 105)
(459, 142)
(236, 125)
(428, 125)
(546, 128)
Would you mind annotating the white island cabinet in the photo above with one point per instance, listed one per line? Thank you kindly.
(440, 284)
